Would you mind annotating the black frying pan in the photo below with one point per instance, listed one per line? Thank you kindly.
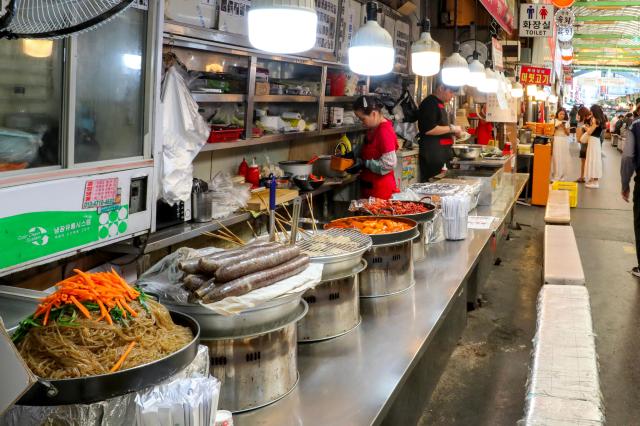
(84, 390)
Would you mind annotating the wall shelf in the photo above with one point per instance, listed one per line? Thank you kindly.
(205, 97)
(339, 99)
(284, 98)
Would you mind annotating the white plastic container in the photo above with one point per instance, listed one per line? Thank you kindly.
(199, 13)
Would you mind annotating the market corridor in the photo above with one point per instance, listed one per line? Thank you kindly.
(484, 383)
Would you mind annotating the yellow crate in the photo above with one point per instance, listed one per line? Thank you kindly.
(572, 187)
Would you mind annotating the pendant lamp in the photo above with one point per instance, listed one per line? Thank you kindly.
(476, 69)
(425, 53)
(532, 90)
(490, 84)
(37, 48)
(282, 26)
(455, 70)
(371, 51)
(517, 91)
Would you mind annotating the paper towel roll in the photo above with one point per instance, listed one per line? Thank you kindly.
(291, 116)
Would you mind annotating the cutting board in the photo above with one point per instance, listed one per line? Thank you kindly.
(260, 199)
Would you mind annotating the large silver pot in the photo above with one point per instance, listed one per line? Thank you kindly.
(296, 167)
(256, 370)
(334, 307)
(389, 270)
(322, 167)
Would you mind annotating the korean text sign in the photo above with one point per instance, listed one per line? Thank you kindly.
(536, 20)
(535, 75)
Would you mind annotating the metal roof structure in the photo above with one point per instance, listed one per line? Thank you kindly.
(607, 33)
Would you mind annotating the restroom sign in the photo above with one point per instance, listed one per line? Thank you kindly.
(536, 20)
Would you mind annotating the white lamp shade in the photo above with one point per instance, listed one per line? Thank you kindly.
(371, 51)
(552, 99)
(476, 73)
(455, 71)
(425, 56)
(37, 48)
(567, 51)
(532, 90)
(282, 26)
(490, 84)
(517, 90)
(541, 95)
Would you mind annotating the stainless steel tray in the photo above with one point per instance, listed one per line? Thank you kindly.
(390, 238)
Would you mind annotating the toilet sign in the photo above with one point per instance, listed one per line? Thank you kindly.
(536, 20)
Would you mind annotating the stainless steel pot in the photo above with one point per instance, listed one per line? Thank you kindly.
(322, 167)
(467, 152)
(259, 369)
(389, 270)
(334, 307)
(420, 243)
(267, 316)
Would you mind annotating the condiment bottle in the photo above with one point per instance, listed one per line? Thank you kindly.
(253, 174)
(243, 168)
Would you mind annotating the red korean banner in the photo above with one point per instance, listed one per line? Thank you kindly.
(501, 12)
(535, 75)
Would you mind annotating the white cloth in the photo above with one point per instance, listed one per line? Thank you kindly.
(593, 163)
(560, 158)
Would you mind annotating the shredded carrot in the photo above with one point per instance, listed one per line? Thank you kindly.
(107, 289)
(118, 364)
(81, 307)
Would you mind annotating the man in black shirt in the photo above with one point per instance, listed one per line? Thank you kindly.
(436, 134)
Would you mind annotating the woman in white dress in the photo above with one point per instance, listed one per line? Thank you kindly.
(593, 165)
(560, 157)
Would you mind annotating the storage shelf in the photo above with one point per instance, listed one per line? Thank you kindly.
(343, 129)
(217, 97)
(339, 99)
(285, 98)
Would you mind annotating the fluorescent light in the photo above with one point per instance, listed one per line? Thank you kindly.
(133, 62)
(425, 55)
(282, 26)
(455, 71)
(371, 51)
(37, 48)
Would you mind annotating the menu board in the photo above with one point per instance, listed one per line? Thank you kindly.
(495, 114)
(350, 22)
(233, 16)
(327, 11)
(402, 41)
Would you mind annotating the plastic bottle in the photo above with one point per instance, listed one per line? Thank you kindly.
(253, 174)
(243, 168)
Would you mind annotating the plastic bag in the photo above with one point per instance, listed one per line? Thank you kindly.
(17, 146)
(184, 133)
(164, 279)
(227, 197)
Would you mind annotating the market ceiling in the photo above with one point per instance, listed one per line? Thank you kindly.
(607, 33)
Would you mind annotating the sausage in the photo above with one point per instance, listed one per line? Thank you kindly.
(205, 288)
(193, 281)
(189, 266)
(236, 269)
(257, 280)
(209, 265)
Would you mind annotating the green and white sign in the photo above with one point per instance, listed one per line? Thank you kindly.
(30, 236)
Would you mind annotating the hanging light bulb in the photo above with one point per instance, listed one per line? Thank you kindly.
(490, 84)
(425, 53)
(517, 91)
(371, 51)
(37, 48)
(553, 99)
(532, 90)
(476, 73)
(282, 26)
(567, 51)
(455, 70)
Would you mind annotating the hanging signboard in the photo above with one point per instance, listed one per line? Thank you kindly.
(536, 20)
(327, 11)
(497, 114)
(535, 75)
(402, 43)
(496, 54)
(502, 11)
(565, 18)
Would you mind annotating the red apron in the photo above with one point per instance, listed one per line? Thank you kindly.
(379, 141)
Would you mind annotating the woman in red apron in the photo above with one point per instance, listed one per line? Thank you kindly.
(377, 156)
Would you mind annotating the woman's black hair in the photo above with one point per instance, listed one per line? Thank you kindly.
(367, 104)
(566, 116)
(598, 114)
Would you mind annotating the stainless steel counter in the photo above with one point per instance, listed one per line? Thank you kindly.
(354, 379)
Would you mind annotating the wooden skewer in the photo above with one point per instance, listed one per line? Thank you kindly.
(252, 230)
(221, 237)
(229, 231)
(286, 235)
(263, 202)
(284, 220)
(310, 204)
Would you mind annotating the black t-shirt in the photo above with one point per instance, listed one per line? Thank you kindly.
(432, 113)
